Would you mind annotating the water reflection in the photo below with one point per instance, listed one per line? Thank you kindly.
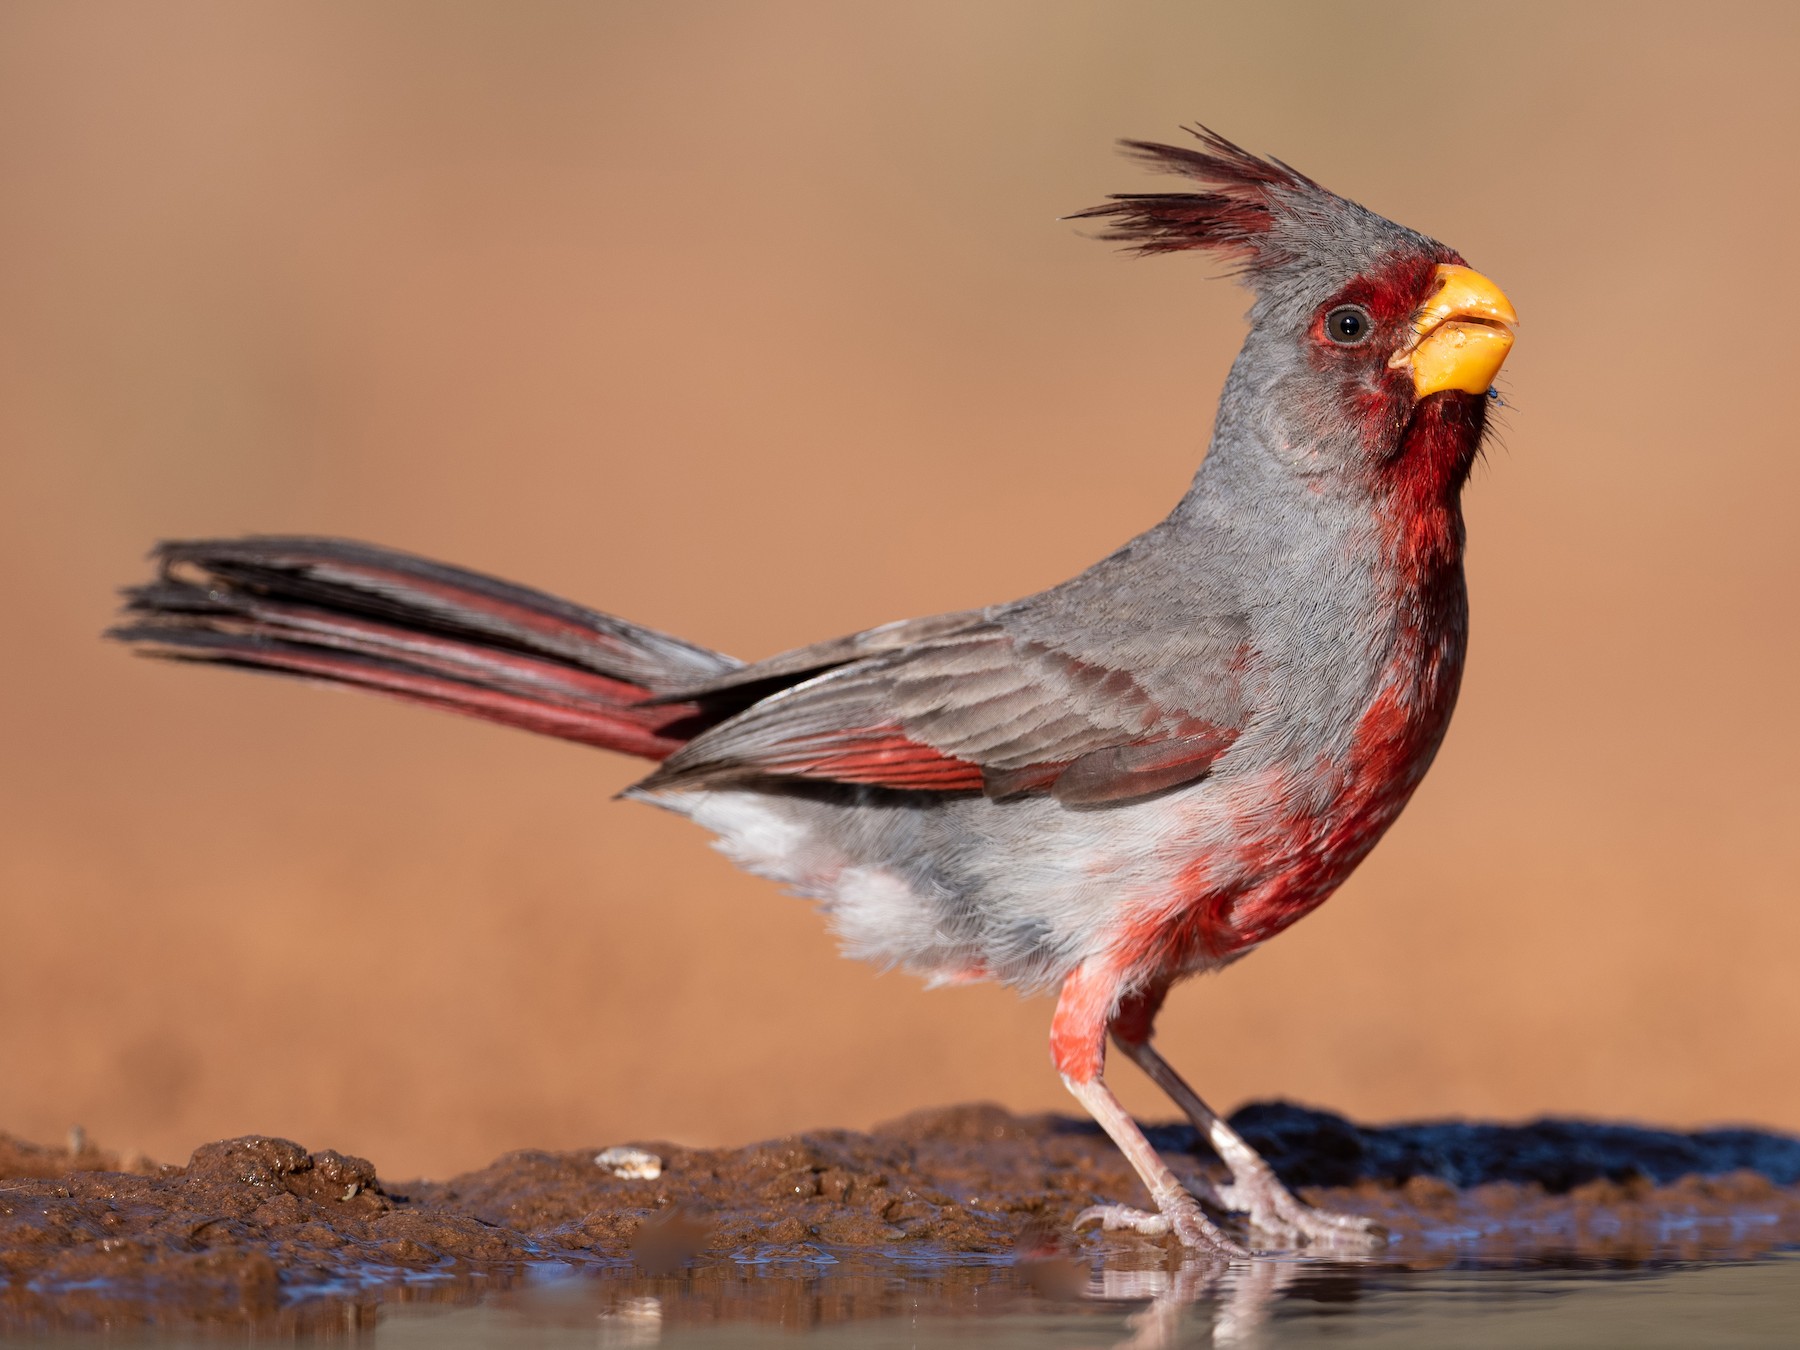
(1276, 1304)
(1238, 1300)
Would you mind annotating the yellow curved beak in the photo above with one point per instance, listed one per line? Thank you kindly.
(1461, 336)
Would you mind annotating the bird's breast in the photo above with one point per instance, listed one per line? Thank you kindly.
(1273, 840)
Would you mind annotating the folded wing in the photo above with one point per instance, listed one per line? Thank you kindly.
(976, 710)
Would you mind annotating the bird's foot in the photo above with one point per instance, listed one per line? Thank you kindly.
(1273, 1209)
(1180, 1215)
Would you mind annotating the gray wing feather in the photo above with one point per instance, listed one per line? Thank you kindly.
(821, 656)
(1028, 713)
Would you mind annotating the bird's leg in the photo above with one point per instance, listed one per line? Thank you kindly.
(1078, 1045)
(1255, 1190)
(1177, 1211)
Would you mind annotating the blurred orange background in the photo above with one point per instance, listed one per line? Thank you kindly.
(757, 322)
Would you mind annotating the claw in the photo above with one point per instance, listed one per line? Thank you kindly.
(1122, 1218)
(1276, 1211)
(1182, 1217)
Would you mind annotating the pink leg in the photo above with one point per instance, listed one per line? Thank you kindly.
(1078, 1045)
(1255, 1189)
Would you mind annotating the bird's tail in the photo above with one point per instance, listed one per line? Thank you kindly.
(349, 613)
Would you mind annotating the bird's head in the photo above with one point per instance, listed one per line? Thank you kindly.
(1372, 348)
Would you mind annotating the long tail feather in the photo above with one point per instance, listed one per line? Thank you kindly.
(349, 613)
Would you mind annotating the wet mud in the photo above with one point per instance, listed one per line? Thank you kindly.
(968, 1206)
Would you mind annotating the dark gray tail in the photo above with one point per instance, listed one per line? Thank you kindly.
(349, 613)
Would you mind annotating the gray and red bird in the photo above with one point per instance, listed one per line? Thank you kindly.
(1132, 777)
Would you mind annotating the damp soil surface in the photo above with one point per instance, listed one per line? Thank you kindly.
(956, 1210)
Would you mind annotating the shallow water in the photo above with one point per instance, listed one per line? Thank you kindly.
(1751, 1304)
(876, 1305)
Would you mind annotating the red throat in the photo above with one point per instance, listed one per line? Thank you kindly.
(1420, 486)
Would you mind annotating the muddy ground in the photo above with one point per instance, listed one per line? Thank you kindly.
(260, 1232)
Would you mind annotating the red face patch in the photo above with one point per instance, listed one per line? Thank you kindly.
(1354, 334)
(1389, 297)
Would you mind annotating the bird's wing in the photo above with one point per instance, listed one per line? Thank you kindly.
(977, 710)
(747, 683)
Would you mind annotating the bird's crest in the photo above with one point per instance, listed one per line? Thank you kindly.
(1260, 213)
(1234, 218)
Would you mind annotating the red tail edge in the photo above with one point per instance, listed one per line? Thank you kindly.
(628, 730)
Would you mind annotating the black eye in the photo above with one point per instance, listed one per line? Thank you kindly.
(1348, 325)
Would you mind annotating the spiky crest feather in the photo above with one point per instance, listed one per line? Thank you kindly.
(1235, 219)
(1292, 240)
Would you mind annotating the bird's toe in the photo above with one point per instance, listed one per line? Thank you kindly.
(1122, 1219)
(1295, 1221)
(1181, 1217)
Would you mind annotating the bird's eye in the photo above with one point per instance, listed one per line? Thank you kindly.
(1348, 325)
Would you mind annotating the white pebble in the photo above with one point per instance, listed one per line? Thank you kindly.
(633, 1164)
